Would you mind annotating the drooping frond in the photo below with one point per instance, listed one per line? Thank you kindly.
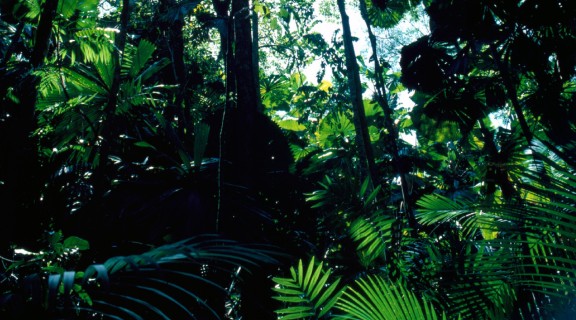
(169, 282)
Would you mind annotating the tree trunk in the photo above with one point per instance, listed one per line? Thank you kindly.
(367, 163)
(388, 123)
(246, 92)
(175, 47)
(256, 61)
(43, 33)
(20, 170)
(222, 8)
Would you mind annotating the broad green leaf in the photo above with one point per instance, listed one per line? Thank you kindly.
(74, 242)
(291, 125)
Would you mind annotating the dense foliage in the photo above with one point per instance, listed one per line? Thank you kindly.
(176, 159)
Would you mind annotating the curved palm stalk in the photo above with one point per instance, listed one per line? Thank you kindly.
(375, 298)
(175, 281)
(307, 293)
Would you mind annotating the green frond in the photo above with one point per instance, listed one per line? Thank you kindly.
(143, 53)
(106, 72)
(526, 255)
(373, 235)
(153, 69)
(96, 44)
(436, 209)
(34, 9)
(310, 292)
(374, 298)
(389, 16)
(50, 83)
(85, 78)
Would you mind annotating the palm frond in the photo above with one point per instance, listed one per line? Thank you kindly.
(309, 292)
(136, 58)
(374, 298)
(96, 44)
(436, 209)
(169, 282)
(526, 255)
(373, 234)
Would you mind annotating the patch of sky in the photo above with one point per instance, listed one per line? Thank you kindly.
(390, 42)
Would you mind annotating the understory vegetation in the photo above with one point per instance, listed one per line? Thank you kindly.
(288, 159)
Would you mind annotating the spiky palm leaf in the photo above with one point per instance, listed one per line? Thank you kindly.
(373, 234)
(308, 292)
(374, 298)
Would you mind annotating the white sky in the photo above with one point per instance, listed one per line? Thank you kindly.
(362, 47)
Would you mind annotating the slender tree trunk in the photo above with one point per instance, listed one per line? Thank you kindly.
(367, 163)
(175, 47)
(107, 130)
(222, 8)
(388, 123)
(243, 57)
(256, 61)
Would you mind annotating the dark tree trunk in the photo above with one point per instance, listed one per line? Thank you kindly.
(43, 33)
(256, 60)
(367, 164)
(246, 95)
(20, 170)
(222, 8)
